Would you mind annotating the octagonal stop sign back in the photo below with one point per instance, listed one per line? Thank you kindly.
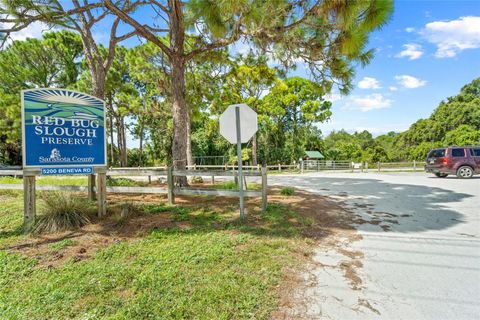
(248, 123)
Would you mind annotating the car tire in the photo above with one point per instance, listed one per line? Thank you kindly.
(465, 172)
(441, 175)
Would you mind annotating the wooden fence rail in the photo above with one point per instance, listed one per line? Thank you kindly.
(29, 186)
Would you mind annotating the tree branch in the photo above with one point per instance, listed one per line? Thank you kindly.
(219, 43)
(23, 20)
(142, 30)
(161, 6)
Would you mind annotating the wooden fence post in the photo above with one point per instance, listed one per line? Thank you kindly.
(91, 187)
(29, 202)
(264, 188)
(414, 166)
(366, 166)
(378, 164)
(235, 175)
(302, 166)
(170, 194)
(102, 194)
(279, 167)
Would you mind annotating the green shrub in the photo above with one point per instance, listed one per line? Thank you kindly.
(122, 182)
(231, 185)
(287, 191)
(62, 211)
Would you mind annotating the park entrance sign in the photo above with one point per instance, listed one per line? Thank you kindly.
(63, 131)
(238, 124)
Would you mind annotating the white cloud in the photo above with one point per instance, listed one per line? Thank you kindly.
(34, 30)
(393, 88)
(409, 29)
(411, 50)
(369, 83)
(410, 82)
(453, 36)
(367, 103)
(333, 96)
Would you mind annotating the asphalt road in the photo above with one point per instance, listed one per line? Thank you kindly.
(421, 259)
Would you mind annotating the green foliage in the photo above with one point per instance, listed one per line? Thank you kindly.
(287, 191)
(216, 268)
(62, 244)
(456, 121)
(288, 114)
(62, 211)
(52, 61)
(462, 136)
(50, 180)
(330, 38)
(231, 185)
(123, 182)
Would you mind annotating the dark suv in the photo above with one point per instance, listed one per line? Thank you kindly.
(462, 161)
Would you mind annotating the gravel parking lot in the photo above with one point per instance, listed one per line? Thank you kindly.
(419, 253)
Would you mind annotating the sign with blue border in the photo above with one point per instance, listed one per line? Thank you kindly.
(63, 128)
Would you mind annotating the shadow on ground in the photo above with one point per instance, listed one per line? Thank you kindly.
(287, 217)
(391, 207)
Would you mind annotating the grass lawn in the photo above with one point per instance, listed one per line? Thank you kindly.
(72, 181)
(45, 180)
(231, 185)
(192, 261)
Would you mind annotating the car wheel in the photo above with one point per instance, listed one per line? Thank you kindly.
(465, 172)
(441, 175)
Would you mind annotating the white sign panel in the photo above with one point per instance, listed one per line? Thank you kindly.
(248, 123)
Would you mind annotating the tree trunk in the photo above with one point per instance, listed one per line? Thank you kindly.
(124, 137)
(254, 150)
(98, 83)
(179, 105)
(190, 161)
(121, 141)
(180, 119)
(142, 128)
(112, 151)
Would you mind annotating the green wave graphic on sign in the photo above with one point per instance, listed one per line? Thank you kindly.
(62, 103)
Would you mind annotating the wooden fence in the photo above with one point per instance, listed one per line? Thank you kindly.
(29, 185)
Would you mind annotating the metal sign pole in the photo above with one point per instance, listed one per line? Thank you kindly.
(239, 154)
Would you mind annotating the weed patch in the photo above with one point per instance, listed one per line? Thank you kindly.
(287, 191)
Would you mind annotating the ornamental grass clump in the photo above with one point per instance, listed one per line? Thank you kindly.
(62, 211)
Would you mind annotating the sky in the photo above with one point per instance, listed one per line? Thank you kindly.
(426, 53)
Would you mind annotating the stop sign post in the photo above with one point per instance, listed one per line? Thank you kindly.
(238, 124)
